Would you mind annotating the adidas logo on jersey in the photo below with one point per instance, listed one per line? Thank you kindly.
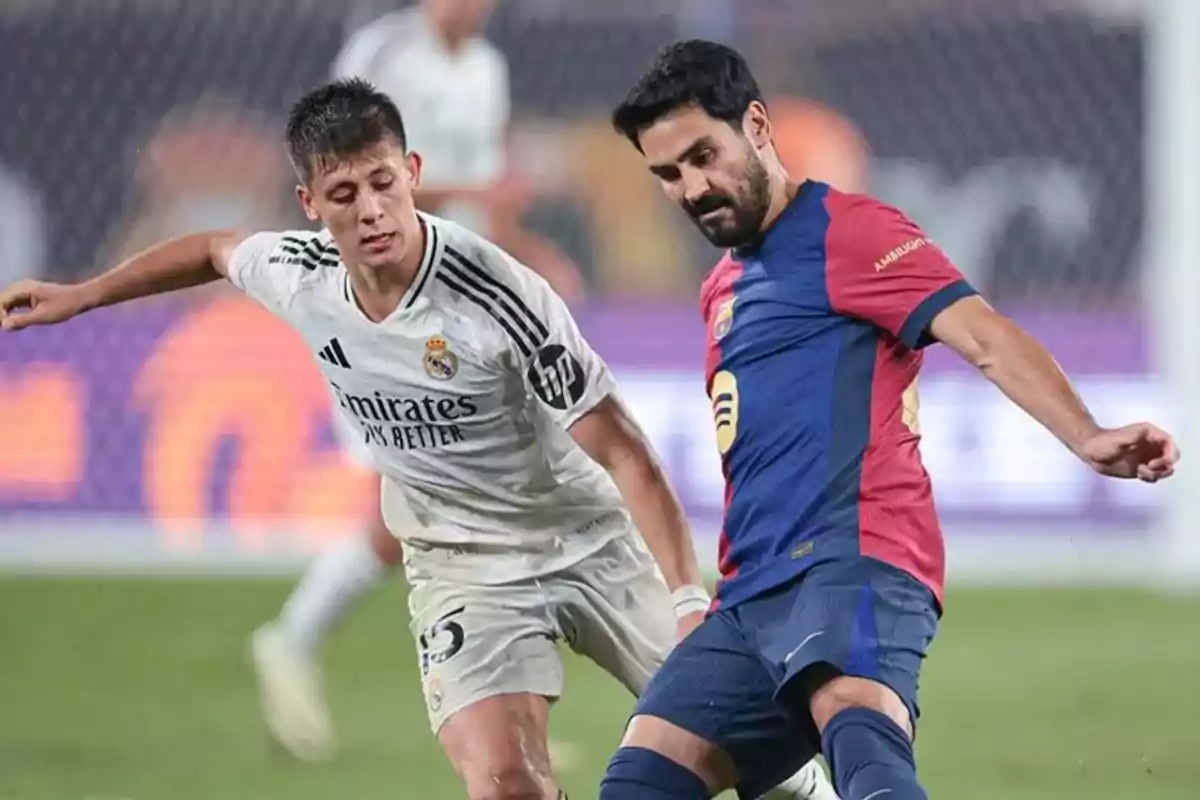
(332, 353)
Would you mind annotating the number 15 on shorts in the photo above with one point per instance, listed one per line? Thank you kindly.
(441, 641)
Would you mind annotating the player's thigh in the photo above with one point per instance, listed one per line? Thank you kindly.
(857, 634)
(615, 609)
(498, 746)
(716, 690)
(477, 642)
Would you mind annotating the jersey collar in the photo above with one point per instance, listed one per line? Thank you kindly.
(431, 237)
(779, 227)
(429, 233)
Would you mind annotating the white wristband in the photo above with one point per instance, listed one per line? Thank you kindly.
(690, 599)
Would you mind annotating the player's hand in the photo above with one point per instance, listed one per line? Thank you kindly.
(1141, 451)
(30, 302)
(687, 624)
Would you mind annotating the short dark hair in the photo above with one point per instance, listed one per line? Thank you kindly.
(340, 119)
(694, 72)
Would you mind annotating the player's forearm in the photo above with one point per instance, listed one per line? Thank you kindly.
(1021, 368)
(659, 517)
(613, 440)
(166, 267)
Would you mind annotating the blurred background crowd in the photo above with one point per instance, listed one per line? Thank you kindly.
(1010, 130)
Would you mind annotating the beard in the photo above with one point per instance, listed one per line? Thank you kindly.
(739, 216)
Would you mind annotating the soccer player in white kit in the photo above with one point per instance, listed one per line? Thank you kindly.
(515, 477)
(452, 88)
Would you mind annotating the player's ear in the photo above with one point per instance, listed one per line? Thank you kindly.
(413, 161)
(305, 196)
(756, 125)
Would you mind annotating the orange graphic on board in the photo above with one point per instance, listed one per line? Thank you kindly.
(814, 141)
(231, 375)
(44, 438)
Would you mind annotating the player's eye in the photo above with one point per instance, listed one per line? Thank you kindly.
(383, 182)
(704, 157)
(666, 174)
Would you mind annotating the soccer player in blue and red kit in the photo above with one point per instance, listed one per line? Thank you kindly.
(831, 554)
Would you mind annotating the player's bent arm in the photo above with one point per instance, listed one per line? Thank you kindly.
(1018, 365)
(180, 263)
(610, 436)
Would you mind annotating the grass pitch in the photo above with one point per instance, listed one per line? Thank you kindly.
(140, 690)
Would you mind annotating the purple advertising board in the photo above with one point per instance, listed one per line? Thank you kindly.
(185, 417)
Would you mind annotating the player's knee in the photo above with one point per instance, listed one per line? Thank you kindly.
(497, 746)
(695, 754)
(638, 773)
(513, 781)
(845, 692)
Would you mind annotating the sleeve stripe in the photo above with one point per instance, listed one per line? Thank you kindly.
(529, 316)
(308, 247)
(307, 252)
(915, 331)
(486, 306)
(534, 338)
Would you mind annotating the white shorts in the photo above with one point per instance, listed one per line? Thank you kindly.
(475, 642)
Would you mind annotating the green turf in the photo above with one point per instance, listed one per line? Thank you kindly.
(140, 690)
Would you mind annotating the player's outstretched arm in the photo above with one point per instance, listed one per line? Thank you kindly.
(610, 436)
(180, 263)
(884, 269)
(1021, 368)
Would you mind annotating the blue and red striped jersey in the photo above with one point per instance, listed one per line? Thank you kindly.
(814, 345)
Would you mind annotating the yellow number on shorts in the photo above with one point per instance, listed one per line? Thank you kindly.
(724, 396)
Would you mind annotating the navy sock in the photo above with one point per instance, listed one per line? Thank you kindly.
(869, 756)
(635, 773)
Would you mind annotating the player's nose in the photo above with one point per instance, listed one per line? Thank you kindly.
(695, 185)
(370, 207)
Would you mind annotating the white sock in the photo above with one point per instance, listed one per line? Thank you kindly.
(809, 783)
(332, 585)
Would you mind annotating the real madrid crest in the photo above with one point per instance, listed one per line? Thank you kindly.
(724, 319)
(440, 363)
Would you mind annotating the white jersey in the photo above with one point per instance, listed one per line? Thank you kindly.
(455, 104)
(463, 396)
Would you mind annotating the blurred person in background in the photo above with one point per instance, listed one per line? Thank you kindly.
(446, 77)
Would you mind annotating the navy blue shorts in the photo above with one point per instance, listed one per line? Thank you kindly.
(743, 678)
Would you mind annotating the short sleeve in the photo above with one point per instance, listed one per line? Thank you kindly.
(267, 266)
(882, 268)
(561, 372)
